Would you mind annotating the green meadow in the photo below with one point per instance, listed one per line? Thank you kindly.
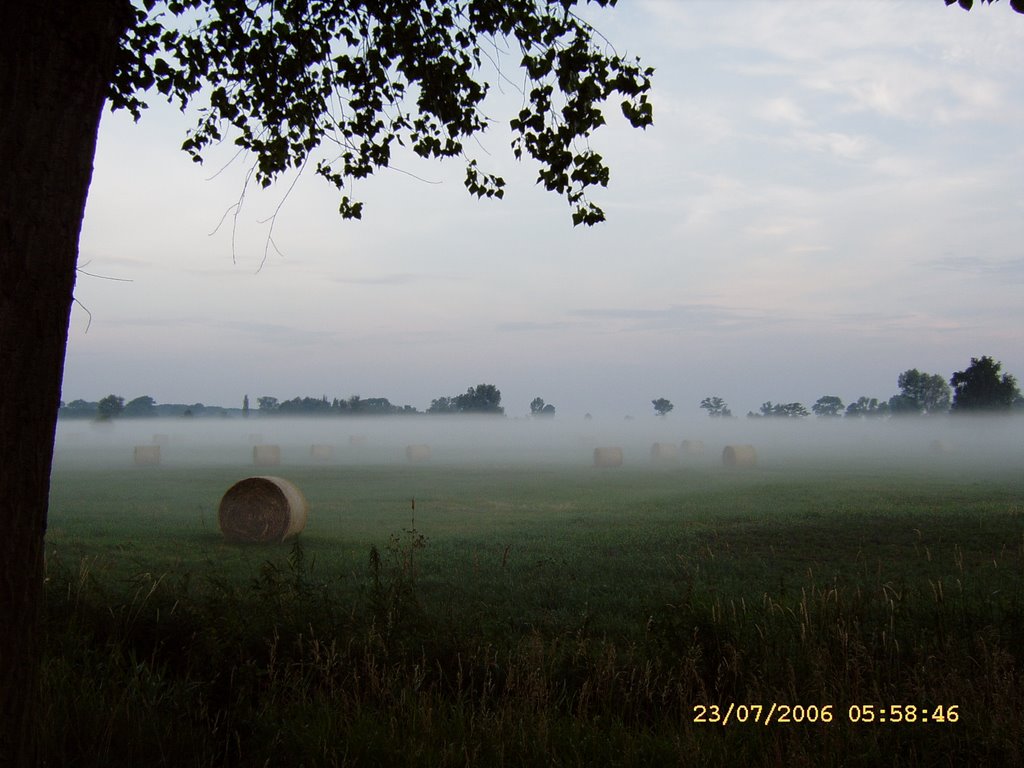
(549, 614)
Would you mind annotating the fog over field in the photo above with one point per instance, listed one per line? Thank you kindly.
(941, 442)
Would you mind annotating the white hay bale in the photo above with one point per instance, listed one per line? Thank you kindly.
(147, 455)
(607, 457)
(415, 454)
(664, 453)
(266, 455)
(693, 447)
(739, 456)
(262, 509)
(319, 452)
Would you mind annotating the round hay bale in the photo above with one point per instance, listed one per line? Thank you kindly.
(607, 457)
(693, 447)
(319, 452)
(664, 453)
(266, 455)
(417, 453)
(147, 455)
(739, 456)
(262, 509)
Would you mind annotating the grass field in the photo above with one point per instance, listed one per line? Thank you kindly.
(541, 615)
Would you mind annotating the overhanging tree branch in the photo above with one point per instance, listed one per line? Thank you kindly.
(284, 77)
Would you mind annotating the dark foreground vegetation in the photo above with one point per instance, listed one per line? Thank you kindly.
(541, 617)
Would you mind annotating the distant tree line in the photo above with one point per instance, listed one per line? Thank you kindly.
(321, 406)
(114, 407)
(979, 389)
(484, 398)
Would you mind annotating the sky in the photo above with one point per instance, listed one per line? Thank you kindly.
(831, 194)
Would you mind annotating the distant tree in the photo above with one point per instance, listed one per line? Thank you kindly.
(442, 405)
(539, 408)
(79, 409)
(901, 405)
(483, 398)
(980, 388)
(716, 407)
(780, 410)
(920, 393)
(110, 407)
(141, 407)
(303, 406)
(377, 406)
(662, 406)
(866, 406)
(245, 406)
(266, 404)
(828, 406)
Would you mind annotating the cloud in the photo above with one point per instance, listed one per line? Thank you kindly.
(272, 334)
(402, 278)
(1006, 270)
(521, 326)
(782, 109)
(691, 317)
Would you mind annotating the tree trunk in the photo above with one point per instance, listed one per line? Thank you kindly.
(56, 62)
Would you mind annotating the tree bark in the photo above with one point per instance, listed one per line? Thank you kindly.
(57, 59)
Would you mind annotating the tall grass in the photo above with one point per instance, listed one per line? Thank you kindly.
(598, 650)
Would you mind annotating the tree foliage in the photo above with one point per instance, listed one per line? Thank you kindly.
(286, 79)
(1017, 5)
(442, 405)
(140, 407)
(266, 404)
(828, 406)
(662, 406)
(920, 393)
(866, 406)
(780, 410)
(980, 388)
(716, 407)
(539, 408)
(483, 398)
(110, 407)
